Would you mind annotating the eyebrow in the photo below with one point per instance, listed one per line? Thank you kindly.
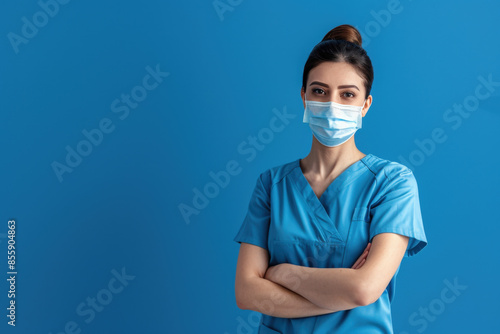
(325, 85)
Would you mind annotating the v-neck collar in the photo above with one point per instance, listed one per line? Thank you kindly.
(336, 183)
(316, 204)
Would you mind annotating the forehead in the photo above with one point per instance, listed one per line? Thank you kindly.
(335, 73)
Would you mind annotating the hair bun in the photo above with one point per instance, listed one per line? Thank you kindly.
(345, 32)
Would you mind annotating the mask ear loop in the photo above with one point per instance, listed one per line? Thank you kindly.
(304, 119)
(363, 107)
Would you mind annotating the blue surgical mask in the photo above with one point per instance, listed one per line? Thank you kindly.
(332, 123)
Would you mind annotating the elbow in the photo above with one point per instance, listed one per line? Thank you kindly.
(366, 294)
(354, 296)
(241, 305)
(241, 296)
(240, 302)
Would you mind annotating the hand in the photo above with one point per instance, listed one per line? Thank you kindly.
(273, 272)
(362, 259)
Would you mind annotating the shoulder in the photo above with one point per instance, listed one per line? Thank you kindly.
(387, 170)
(275, 174)
(390, 174)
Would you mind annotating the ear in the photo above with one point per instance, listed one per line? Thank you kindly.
(368, 103)
(303, 96)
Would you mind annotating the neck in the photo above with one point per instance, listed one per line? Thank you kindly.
(325, 161)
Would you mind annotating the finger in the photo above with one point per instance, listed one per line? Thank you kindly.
(360, 264)
(359, 258)
(367, 249)
(362, 256)
(357, 262)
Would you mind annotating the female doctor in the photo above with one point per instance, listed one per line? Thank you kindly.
(324, 236)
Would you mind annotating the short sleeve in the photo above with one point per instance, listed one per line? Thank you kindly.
(255, 227)
(397, 209)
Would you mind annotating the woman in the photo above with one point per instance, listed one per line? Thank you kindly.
(324, 236)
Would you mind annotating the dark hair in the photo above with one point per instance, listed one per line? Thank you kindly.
(341, 44)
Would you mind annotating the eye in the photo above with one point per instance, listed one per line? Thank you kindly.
(348, 94)
(318, 91)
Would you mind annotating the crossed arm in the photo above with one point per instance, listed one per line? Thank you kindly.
(290, 291)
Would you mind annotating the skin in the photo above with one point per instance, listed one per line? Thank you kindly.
(291, 291)
(323, 164)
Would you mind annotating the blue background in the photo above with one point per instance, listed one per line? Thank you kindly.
(119, 208)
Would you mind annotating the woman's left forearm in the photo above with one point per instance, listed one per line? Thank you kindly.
(336, 289)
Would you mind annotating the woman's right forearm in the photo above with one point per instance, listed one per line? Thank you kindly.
(261, 295)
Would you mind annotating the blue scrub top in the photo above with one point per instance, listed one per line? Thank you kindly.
(286, 218)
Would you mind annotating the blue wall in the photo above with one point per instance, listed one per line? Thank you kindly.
(113, 114)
